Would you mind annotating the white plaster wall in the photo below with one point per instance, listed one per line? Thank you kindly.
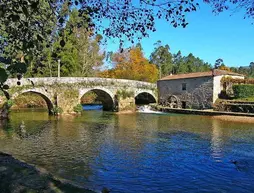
(218, 87)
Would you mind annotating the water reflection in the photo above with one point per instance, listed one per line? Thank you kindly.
(217, 141)
(139, 152)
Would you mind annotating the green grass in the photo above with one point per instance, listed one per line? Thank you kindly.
(248, 99)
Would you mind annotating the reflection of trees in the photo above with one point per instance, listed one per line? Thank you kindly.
(67, 147)
(75, 143)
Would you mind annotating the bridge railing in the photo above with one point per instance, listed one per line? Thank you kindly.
(85, 80)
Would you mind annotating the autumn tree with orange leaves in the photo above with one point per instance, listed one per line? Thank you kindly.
(131, 64)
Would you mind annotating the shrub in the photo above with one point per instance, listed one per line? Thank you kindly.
(243, 90)
(78, 108)
(10, 103)
(56, 110)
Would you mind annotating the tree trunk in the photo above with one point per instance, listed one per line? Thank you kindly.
(4, 112)
(22, 59)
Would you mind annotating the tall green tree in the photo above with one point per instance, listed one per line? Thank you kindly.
(24, 24)
(80, 55)
(219, 62)
(162, 58)
(188, 64)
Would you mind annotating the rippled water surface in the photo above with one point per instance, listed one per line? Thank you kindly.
(136, 153)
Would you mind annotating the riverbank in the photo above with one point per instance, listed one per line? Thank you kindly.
(208, 112)
(231, 118)
(17, 176)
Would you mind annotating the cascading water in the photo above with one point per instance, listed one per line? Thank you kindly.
(146, 109)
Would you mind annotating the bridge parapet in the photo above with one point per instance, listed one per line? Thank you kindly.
(84, 81)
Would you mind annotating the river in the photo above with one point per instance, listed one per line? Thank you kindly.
(136, 152)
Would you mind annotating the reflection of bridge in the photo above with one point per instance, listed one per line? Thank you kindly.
(66, 92)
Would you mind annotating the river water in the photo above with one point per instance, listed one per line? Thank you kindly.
(136, 152)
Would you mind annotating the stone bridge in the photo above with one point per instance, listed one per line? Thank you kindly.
(66, 92)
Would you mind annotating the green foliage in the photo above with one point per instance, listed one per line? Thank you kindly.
(80, 55)
(89, 97)
(248, 71)
(243, 90)
(218, 63)
(4, 87)
(176, 63)
(3, 75)
(29, 100)
(162, 57)
(124, 94)
(78, 108)
(56, 110)
(10, 103)
(188, 64)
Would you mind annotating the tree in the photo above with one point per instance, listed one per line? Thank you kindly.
(251, 66)
(131, 64)
(188, 64)
(26, 26)
(218, 63)
(224, 67)
(27, 23)
(80, 56)
(162, 58)
(235, 5)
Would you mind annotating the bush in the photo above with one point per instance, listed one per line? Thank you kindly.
(78, 108)
(10, 103)
(243, 90)
(56, 110)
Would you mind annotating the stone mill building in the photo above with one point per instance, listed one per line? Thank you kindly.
(197, 90)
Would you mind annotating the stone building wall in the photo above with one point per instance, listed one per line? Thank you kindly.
(198, 93)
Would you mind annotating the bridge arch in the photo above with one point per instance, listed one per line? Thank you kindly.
(41, 94)
(145, 97)
(103, 95)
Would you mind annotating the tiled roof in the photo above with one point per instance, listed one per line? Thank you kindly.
(214, 72)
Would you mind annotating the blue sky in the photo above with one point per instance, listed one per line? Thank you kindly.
(207, 36)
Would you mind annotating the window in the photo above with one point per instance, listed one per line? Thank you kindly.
(184, 86)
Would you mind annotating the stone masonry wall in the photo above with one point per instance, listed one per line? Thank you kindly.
(66, 92)
(198, 93)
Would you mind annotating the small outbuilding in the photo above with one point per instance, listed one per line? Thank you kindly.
(197, 90)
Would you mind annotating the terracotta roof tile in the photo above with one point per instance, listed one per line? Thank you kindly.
(215, 72)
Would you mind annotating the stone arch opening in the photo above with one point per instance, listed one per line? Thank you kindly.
(144, 98)
(174, 102)
(98, 97)
(32, 103)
